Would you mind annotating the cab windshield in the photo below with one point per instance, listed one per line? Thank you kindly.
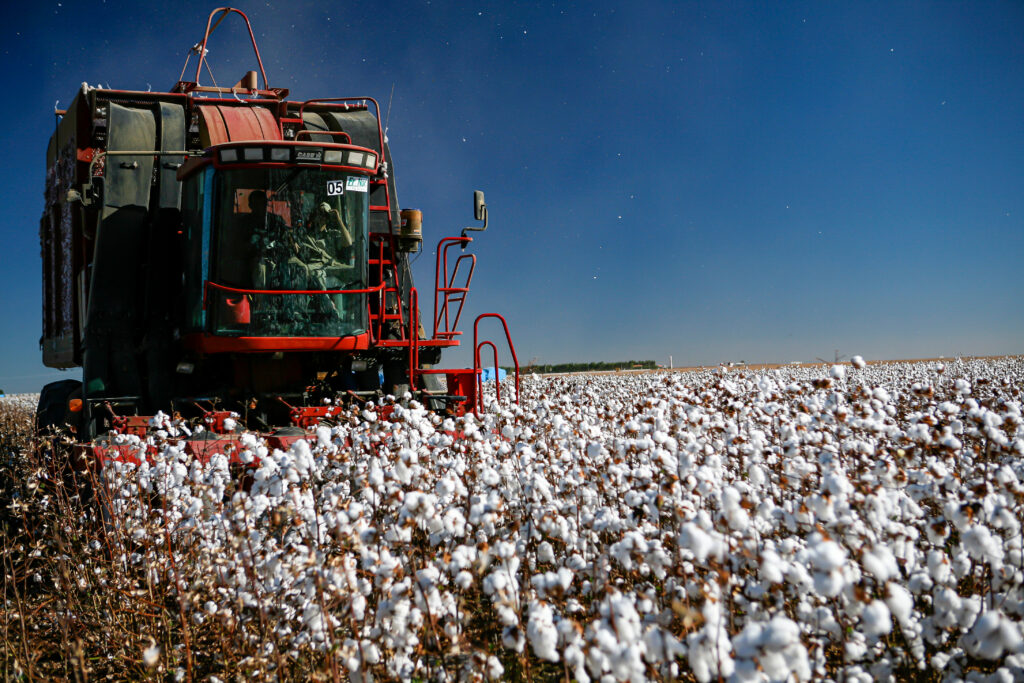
(288, 229)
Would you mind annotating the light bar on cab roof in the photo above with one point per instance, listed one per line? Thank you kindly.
(304, 154)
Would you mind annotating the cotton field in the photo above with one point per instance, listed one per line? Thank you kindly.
(856, 523)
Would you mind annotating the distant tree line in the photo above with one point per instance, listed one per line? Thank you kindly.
(588, 367)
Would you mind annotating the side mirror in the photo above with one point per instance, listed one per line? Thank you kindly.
(479, 212)
(478, 205)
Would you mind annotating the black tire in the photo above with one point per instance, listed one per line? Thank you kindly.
(52, 411)
(56, 430)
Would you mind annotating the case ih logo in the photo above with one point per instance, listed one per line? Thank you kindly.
(308, 154)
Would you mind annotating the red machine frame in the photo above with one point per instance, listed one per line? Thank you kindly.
(262, 116)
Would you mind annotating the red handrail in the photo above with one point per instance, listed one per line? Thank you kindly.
(443, 284)
(477, 345)
(414, 336)
(382, 277)
(202, 52)
(311, 133)
(480, 376)
(380, 131)
(239, 290)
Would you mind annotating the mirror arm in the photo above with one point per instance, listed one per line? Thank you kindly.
(480, 211)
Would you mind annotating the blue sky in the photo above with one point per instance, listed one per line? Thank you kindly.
(715, 181)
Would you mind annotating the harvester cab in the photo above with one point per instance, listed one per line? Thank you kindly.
(226, 251)
(284, 230)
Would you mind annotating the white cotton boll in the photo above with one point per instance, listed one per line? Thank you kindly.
(827, 558)
(970, 607)
(858, 362)
(455, 523)
(496, 581)
(545, 552)
(540, 629)
(830, 584)
(920, 583)
(876, 619)
(920, 433)
(855, 648)
(512, 638)
(772, 567)
(880, 563)
(780, 633)
(836, 483)
(826, 555)
(939, 567)
(445, 487)
(697, 540)
(495, 670)
(358, 609)
(464, 580)
(900, 603)
(981, 544)
(661, 646)
(838, 372)
(151, 655)
(737, 518)
(947, 440)
(709, 653)
(825, 620)
(370, 652)
(576, 562)
(991, 636)
(1012, 633)
(756, 476)
(940, 660)
(375, 477)
(961, 564)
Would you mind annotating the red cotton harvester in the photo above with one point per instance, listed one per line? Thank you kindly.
(211, 252)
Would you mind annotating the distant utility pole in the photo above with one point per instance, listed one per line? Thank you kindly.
(837, 358)
(670, 362)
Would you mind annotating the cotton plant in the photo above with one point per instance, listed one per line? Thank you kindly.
(859, 521)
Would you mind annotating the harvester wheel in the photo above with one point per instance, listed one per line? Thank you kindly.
(52, 411)
(57, 430)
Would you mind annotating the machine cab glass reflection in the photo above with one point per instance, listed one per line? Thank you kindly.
(279, 235)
